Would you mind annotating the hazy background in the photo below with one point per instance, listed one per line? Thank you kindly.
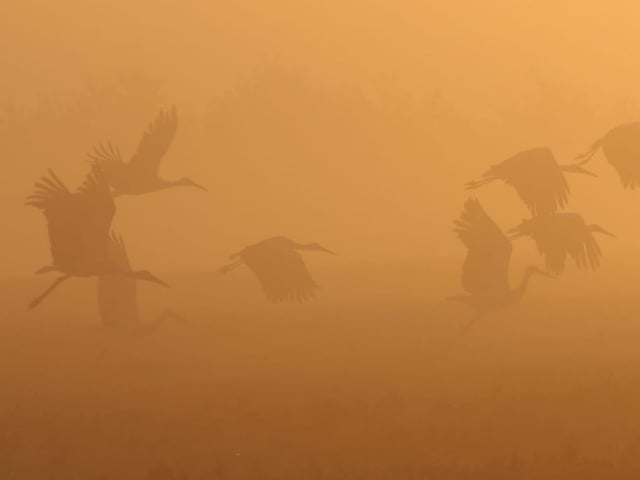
(351, 123)
(354, 124)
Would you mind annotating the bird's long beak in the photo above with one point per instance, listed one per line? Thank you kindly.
(159, 282)
(604, 232)
(200, 187)
(326, 250)
(580, 169)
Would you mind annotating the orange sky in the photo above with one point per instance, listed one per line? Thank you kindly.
(390, 199)
(470, 47)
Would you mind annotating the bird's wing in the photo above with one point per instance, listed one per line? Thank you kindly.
(78, 223)
(48, 192)
(281, 273)
(621, 147)
(109, 159)
(59, 207)
(95, 196)
(486, 266)
(155, 142)
(117, 294)
(559, 235)
(537, 178)
(118, 252)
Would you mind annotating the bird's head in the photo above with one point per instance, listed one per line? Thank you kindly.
(187, 182)
(533, 270)
(599, 229)
(147, 277)
(319, 248)
(578, 168)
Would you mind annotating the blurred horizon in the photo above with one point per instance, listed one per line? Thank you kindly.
(354, 124)
(358, 121)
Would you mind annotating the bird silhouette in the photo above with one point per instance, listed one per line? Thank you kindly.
(621, 148)
(118, 296)
(485, 273)
(78, 225)
(279, 268)
(140, 174)
(561, 234)
(537, 178)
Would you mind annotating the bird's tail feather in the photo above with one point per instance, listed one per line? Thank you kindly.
(230, 266)
(473, 184)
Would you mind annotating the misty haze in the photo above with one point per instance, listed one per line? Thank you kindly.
(339, 239)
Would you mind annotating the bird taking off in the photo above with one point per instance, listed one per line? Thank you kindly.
(118, 296)
(78, 225)
(561, 234)
(621, 148)
(485, 273)
(279, 267)
(537, 178)
(140, 174)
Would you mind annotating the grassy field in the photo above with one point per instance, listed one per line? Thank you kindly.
(372, 380)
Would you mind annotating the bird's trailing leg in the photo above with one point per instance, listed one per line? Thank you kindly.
(478, 183)
(46, 269)
(168, 314)
(586, 156)
(471, 323)
(56, 283)
(231, 266)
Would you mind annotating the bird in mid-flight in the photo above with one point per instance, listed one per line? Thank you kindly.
(78, 225)
(621, 147)
(118, 296)
(561, 234)
(140, 174)
(279, 268)
(485, 272)
(536, 176)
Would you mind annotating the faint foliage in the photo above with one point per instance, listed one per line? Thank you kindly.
(54, 132)
(550, 113)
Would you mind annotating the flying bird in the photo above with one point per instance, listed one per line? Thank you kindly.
(118, 296)
(485, 273)
(621, 148)
(279, 268)
(537, 178)
(78, 225)
(140, 174)
(561, 234)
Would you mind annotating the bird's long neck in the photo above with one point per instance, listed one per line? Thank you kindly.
(304, 246)
(524, 283)
(162, 184)
(181, 182)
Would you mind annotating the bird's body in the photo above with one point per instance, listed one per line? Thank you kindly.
(78, 225)
(560, 235)
(621, 148)
(279, 268)
(140, 174)
(485, 273)
(536, 177)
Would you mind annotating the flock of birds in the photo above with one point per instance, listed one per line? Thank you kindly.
(83, 245)
(541, 184)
